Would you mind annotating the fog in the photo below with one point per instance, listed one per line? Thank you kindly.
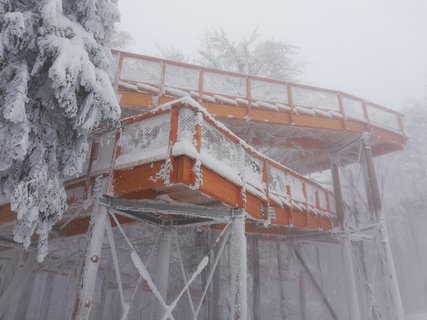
(373, 49)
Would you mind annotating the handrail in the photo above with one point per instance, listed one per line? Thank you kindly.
(252, 77)
(317, 206)
(244, 88)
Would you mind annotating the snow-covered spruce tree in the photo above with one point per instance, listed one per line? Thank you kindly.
(55, 87)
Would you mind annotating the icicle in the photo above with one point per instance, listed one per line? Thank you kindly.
(164, 173)
(197, 169)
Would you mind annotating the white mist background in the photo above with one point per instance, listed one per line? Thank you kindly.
(373, 49)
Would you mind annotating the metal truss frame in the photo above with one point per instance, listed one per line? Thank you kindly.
(169, 216)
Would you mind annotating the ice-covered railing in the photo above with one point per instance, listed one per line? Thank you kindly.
(163, 77)
(185, 128)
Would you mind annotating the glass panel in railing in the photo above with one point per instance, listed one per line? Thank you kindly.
(139, 70)
(115, 64)
(332, 204)
(269, 91)
(253, 171)
(353, 109)
(219, 153)
(307, 97)
(224, 84)
(182, 77)
(295, 184)
(323, 204)
(383, 118)
(276, 181)
(311, 194)
(146, 139)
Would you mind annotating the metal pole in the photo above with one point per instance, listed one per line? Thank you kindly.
(239, 254)
(349, 267)
(281, 280)
(339, 203)
(161, 278)
(372, 184)
(350, 275)
(84, 302)
(256, 289)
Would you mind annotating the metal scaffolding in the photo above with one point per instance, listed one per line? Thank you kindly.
(357, 235)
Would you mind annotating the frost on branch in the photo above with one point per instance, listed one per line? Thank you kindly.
(55, 88)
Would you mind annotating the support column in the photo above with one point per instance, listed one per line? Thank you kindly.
(281, 280)
(216, 283)
(161, 276)
(256, 283)
(84, 302)
(302, 290)
(239, 269)
(375, 198)
(339, 203)
(349, 265)
(350, 273)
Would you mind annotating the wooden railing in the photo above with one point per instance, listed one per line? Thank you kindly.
(185, 129)
(164, 77)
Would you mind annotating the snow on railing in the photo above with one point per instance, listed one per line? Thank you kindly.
(159, 76)
(147, 138)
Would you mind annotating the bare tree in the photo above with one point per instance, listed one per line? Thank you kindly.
(252, 55)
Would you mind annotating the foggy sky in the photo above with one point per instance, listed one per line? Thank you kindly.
(376, 49)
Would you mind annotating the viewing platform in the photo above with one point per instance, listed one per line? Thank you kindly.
(246, 144)
(299, 125)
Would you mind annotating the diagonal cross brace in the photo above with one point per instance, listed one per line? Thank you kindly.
(143, 271)
(318, 287)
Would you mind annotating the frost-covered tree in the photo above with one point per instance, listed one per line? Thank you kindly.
(268, 58)
(121, 40)
(55, 87)
(172, 53)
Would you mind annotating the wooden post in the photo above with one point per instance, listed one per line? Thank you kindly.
(201, 84)
(267, 191)
(342, 110)
(291, 103)
(173, 136)
(249, 98)
(366, 115)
